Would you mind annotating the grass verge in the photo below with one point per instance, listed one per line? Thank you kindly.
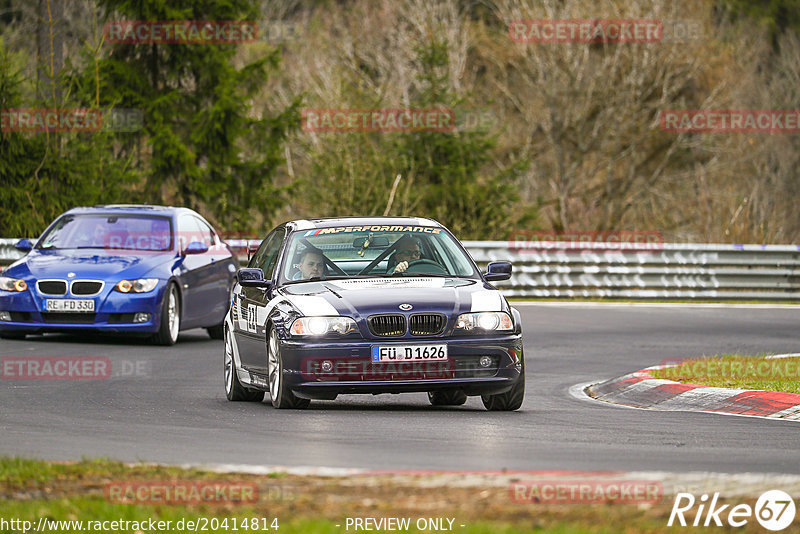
(737, 371)
(32, 489)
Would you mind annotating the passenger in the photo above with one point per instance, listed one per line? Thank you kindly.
(312, 264)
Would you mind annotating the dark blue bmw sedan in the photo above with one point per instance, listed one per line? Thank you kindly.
(371, 305)
(137, 269)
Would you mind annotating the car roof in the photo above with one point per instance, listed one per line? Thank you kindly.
(329, 222)
(130, 209)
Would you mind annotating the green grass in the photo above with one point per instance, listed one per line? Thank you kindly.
(32, 489)
(737, 371)
(22, 472)
(95, 509)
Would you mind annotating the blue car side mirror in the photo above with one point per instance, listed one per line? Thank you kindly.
(498, 270)
(196, 247)
(23, 245)
(252, 278)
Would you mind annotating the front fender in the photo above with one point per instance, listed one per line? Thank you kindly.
(517, 320)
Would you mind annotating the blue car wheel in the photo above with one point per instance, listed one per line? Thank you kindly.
(170, 317)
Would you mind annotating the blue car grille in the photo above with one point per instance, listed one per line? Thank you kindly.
(86, 287)
(20, 317)
(426, 324)
(117, 318)
(388, 325)
(70, 318)
(52, 287)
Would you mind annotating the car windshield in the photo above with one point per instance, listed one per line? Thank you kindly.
(110, 232)
(360, 251)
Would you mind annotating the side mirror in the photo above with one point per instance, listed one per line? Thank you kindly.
(23, 245)
(252, 278)
(196, 247)
(498, 270)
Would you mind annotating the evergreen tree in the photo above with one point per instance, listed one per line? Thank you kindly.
(202, 145)
(43, 174)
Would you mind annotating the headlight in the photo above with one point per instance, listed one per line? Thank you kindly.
(142, 285)
(484, 322)
(321, 326)
(12, 284)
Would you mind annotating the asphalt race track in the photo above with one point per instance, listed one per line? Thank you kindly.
(168, 405)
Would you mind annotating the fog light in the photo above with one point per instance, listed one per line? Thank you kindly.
(5, 316)
(485, 361)
(141, 317)
(327, 366)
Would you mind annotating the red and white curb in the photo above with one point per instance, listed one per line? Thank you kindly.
(642, 390)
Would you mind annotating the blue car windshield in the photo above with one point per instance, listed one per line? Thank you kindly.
(354, 251)
(109, 232)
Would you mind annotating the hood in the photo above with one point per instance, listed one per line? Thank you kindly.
(89, 263)
(363, 297)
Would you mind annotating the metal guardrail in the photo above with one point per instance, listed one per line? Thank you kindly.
(596, 270)
(8, 253)
(667, 271)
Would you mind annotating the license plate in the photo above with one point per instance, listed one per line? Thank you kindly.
(408, 353)
(69, 305)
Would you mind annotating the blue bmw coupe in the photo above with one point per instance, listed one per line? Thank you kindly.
(150, 270)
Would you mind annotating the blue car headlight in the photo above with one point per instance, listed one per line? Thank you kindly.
(141, 285)
(12, 284)
(322, 326)
(484, 322)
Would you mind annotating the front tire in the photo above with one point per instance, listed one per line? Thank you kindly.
(280, 395)
(234, 390)
(216, 332)
(510, 400)
(170, 317)
(454, 397)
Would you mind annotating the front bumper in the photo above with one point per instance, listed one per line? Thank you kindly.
(352, 371)
(114, 312)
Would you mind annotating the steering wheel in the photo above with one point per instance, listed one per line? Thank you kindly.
(423, 266)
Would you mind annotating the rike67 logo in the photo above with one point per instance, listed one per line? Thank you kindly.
(774, 510)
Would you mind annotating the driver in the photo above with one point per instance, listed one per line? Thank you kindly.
(312, 264)
(94, 239)
(407, 249)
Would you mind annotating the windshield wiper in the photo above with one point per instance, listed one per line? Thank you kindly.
(418, 275)
(317, 279)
